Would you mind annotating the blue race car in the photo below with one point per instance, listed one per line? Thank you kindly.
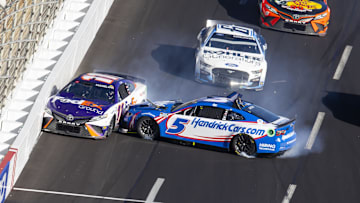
(92, 104)
(225, 122)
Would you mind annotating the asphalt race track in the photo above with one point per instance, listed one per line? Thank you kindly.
(156, 40)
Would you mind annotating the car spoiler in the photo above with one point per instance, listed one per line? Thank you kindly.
(125, 76)
(214, 22)
(285, 123)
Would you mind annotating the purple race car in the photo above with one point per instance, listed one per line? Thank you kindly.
(92, 104)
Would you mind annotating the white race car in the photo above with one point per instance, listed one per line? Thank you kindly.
(231, 55)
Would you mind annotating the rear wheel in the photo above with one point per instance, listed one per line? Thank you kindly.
(147, 128)
(243, 144)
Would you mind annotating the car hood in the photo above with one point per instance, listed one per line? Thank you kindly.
(77, 107)
(308, 7)
(232, 59)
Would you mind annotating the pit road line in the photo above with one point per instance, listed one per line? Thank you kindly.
(78, 195)
(315, 130)
(290, 193)
(342, 63)
(154, 190)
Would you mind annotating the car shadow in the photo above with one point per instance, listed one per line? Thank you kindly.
(246, 11)
(344, 106)
(176, 60)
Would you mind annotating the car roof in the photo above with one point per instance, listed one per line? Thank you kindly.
(103, 78)
(211, 100)
(234, 30)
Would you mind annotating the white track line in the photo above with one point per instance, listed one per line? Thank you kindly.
(78, 195)
(290, 193)
(154, 190)
(315, 130)
(342, 63)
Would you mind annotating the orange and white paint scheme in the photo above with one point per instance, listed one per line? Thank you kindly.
(298, 16)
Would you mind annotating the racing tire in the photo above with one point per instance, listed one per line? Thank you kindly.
(243, 143)
(111, 128)
(147, 128)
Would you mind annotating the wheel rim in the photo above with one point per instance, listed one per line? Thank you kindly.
(244, 144)
(111, 127)
(147, 129)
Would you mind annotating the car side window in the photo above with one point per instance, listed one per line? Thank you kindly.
(233, 116)
(187, 112)
(209, 112)
(123, 91)
(130, 87)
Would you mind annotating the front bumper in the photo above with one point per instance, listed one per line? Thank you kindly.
(314, 27)
(85, 130)
(230, 78)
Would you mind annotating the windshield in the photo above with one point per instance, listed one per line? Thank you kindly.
(90, 91)
(262, 113)
(233, 42)
(179, 106)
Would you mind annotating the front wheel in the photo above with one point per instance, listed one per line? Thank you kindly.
(147, 128)
(243, 144)
(110, 128)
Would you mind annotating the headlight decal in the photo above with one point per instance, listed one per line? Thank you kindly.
(92, 132)
(318, 17)
(48, 123)
(271, 9)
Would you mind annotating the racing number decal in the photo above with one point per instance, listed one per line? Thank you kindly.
(178, 126)
(235, 28)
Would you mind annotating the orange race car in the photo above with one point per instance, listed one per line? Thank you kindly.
(298, 16)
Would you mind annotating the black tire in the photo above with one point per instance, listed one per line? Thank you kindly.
(147, 128)
(243, 143)
(111, 128)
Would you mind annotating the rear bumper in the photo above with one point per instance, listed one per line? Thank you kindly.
(287, 142)
(276, 144)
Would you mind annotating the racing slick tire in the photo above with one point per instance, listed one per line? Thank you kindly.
(147, 128)
(111, 128)
(243, 143)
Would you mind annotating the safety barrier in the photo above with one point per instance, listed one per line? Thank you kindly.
(22, 26)
(70, 58)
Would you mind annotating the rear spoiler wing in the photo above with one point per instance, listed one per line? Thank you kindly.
(283, 124)
(125, 76)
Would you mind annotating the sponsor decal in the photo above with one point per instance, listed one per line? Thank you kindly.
(69, 123)
(180, 124)
(231, 65)
(3, 182)
(299, 5)
(294, 21)
(266, 146)
(83, 104)
(88, 108)
(228, 55)
(105, 86)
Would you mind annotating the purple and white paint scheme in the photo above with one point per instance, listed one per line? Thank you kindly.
(92, 104)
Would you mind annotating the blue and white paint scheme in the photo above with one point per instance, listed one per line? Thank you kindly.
(215, 121)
